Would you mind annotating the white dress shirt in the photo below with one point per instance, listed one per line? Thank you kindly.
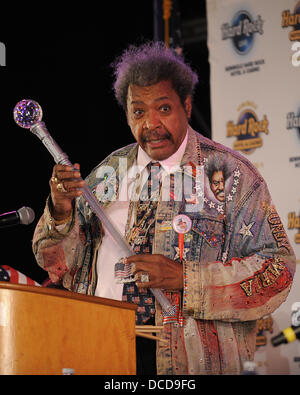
(109, 252)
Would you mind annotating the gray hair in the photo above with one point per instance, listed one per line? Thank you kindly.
(214, 165)
(149, 64)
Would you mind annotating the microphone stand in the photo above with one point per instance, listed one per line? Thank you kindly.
(60, 157)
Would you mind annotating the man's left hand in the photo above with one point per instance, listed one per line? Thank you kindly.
(163, 272)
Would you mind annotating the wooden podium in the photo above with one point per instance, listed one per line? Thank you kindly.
(43, 330)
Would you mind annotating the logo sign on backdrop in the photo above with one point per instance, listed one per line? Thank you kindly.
(242, 31)
(247, 130)
(292, 19)
(254, 53)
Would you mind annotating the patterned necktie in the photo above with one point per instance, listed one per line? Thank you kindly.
(143, 229)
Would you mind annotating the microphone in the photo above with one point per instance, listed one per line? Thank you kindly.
(23, 216)
(288, 335)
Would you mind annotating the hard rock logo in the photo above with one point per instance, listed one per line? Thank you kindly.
(293, 121)
(241, 31)
(247, 130)
(289, 19)
(294, 223)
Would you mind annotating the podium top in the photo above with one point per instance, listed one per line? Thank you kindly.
(66, 294)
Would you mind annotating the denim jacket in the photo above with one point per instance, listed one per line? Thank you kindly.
(238, 263)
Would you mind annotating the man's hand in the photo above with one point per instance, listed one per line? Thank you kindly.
(64, 185)
(163, 272)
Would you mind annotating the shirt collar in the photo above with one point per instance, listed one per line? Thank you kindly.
(170, 163)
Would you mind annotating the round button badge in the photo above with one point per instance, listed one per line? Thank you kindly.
(182, 224)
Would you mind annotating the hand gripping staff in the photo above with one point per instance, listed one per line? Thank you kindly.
(28, 114)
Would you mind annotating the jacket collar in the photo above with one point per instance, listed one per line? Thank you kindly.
(191, 154)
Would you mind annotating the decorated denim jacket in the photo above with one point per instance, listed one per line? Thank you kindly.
(238, 264)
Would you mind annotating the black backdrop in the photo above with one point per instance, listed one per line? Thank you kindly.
(61, 58)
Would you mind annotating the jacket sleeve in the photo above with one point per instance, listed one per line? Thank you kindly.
(66, 251)
(59, 250)
(256, 272)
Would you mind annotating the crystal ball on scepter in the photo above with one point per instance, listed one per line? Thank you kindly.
(27, 113)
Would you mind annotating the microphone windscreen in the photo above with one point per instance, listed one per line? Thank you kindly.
(26, 215)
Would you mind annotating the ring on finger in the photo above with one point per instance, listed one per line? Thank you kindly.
(144, 278)
(60, 187)
(54, 180)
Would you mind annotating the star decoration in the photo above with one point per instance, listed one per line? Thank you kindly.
(245, 230)
(220, 209)
(184, 252)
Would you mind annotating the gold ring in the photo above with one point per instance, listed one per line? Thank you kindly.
(60, 187)
(54, 180)
(144, 278)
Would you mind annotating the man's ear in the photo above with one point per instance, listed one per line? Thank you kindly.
(188, 106)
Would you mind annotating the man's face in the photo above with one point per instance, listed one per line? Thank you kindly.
(157, 118)
(217, 185)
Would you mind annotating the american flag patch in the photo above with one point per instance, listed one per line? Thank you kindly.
(123, 272)
(174, 316)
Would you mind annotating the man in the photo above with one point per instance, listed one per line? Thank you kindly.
(224, 273)
(217, 175)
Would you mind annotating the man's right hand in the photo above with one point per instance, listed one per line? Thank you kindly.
(65, 185)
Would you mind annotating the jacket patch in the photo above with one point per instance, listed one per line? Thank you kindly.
(221, 184)
(263, 279)
(246, 230)
(277, 229)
